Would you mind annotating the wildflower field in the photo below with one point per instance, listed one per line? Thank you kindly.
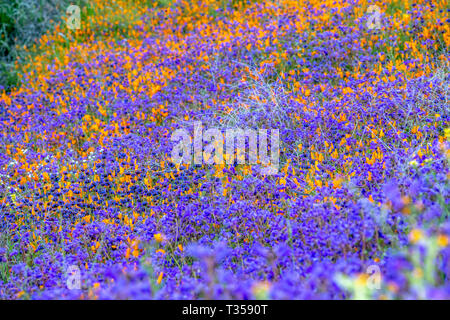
(93, 207)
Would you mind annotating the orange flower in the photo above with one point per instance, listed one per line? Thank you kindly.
(158, 237)
(442, 240)
(161, 275)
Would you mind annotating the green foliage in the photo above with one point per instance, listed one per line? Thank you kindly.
(21, 23)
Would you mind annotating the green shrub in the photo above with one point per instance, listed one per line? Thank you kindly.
(21, 23)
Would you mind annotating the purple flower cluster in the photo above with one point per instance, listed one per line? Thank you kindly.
(87, 181)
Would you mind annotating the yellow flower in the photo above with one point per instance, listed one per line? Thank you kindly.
(413, 163)
(442, 240)
(13, 198)
(307, 92)
(415, 236)
(158, 237)
(361, 279)
(406, 18)
(447, 133)
(161, 275)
